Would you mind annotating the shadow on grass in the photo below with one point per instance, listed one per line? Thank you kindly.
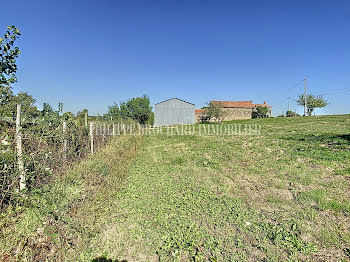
(104, 259)
(326, 139)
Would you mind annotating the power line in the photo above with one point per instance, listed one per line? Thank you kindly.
(272, 98)
(337, 92)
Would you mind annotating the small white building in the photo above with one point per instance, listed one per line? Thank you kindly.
(174, 111)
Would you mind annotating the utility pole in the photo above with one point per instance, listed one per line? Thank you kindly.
(305, 104)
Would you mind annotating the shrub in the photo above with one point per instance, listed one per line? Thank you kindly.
(204, 119)
(291, 114)
(259, 112)
(214, 110)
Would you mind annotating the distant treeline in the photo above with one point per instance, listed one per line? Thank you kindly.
(137, 109)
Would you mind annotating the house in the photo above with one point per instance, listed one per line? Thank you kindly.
(236, 109)
(174, 111)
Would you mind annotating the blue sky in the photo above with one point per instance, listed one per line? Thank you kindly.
(90, 54)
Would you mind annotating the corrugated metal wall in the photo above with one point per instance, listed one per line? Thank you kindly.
(173, 112)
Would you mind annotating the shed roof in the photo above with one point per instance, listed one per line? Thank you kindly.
(176, 99)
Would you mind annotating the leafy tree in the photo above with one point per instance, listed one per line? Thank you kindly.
(312, 102)
(137, 108)
(6, 97)
(47, 109)
(68, 116)
(8, 56)
(214, 110)
(151, 119)
(27, 102)
(8, 68)
(60, 107)
(259, 112)
(81, 117)
(82, 113)
(114, 111)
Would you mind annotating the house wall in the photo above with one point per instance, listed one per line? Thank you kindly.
(237, 113)
(269, 112)
(173, 112)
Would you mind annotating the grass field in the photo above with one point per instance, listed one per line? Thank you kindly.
(283, 195)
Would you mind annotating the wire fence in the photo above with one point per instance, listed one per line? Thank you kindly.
(32, 151)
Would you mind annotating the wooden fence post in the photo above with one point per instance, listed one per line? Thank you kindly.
(22, 177)
(86, 119)
(92, 138)
(64, 140)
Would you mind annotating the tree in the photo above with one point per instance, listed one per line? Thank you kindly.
(8, 56)
(68, 116)
(151, 119)
(137, 108)
(312, 102)
(113, 111)
(8, 67)
(259, 112)
(81, 117)
(47, 109)
(60, 107)
(27, 102)
(215, 110)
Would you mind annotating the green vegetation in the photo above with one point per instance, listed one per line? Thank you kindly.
(137, 108)
(8, 57)
(312, 102)
(213, 111)
(283, 195)
(291, 114)
(260, 112)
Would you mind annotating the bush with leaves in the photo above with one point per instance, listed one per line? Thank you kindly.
(260, 112)
(138, 109)
(214, 111)
(291, 114)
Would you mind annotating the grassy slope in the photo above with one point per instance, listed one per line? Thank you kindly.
(59, 221)
(282, 195)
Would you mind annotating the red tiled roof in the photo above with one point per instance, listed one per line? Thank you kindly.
(199, 111)
(239, 104)
(235, 104)
(263, 105)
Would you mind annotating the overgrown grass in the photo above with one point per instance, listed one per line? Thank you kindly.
(58, 220)
(283, 195)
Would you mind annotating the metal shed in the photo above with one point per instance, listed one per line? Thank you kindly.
(173, 111)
